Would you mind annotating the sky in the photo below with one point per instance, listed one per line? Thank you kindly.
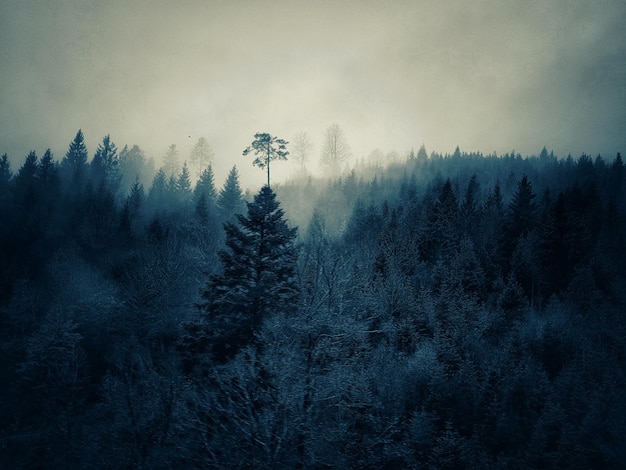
(489, 76)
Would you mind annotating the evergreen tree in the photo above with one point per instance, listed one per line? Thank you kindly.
(439, 236)
(25, 183)
(74, 164)
(521, 216)
(230, 199)
(183, 184)
(469, 213)
(206, 186)
(49, 186)
(5, 179)
(205, 195)
(130, 218)
(157, 194)
(259, 275)
(617, 175)
(136, 197)
(47, 170)
(105, 165)
(5, 170)
(422, 156)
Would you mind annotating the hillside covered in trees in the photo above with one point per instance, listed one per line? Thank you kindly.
(444, 311)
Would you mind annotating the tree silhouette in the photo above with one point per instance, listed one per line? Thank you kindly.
(105, 165)
(230, 199)
(267, 148)
(74, 165)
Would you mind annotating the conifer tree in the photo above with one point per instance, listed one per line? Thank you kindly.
(105, 165)
(5, 178)
(230, 199)
(267, 148)
(422, 156)
(48, 186)
(522, 214)
(183, 184)
(258, 279)
(205, 195)
(158, 191)
(74, 164)
(25, 182)
(206, 186)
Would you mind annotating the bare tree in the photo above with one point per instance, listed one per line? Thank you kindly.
(302, 148)
(171, 164)
(336, 150)
(201, 156)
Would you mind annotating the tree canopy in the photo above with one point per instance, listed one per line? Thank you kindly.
(267, 148)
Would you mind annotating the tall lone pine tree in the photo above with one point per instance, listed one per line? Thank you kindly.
(258, 279)
(267, 148)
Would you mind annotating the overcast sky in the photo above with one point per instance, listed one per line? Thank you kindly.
(484, 75)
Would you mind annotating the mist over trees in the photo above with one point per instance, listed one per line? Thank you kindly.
(335, 151)
(436, 311)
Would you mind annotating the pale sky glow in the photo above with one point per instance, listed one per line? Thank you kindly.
(484, 75)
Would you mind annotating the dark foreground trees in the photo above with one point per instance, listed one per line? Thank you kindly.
(411, 334)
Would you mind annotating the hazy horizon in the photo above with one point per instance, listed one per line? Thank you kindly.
(486, 76)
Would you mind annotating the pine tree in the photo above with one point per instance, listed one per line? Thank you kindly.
(439, 236)
(258, 279)
(5, 179)
(183, 184)
(230, 199)
(49, 187)
(422, 156)
(521, 216)
(157, 193)
(206, 186)
(25, 183)
(74, 165)
(205, 195)
(267, 148)
(469, 213)
(105, 165)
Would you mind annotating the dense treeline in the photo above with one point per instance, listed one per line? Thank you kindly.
(457, 311)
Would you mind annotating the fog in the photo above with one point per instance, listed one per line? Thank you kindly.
(488, 76)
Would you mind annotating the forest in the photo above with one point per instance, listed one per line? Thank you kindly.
(439, 311)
